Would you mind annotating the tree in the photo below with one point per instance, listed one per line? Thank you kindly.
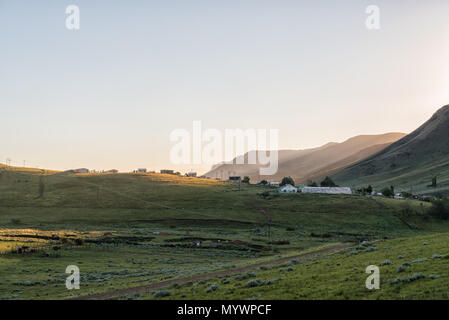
(287, 180)
(369, 189)
(434, 182)
(327, 182)
(311, 183)
(388, 192)
(245, 179)
(264, 182)
(440, 209)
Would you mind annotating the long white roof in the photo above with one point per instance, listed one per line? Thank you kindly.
(331, 190)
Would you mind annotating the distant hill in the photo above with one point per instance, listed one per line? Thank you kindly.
(311, 164)
(410, 163)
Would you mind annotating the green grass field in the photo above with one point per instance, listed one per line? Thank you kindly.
(127, 230)
(410, 268)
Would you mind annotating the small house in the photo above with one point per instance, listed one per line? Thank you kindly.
(235, 178)
(165, 171)
(273, 184)
(142, 170)
(288, 188)
(191, 174)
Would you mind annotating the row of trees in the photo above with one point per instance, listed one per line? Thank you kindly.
(327, 182)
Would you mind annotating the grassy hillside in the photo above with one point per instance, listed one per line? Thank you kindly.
(303, 165)
(125, 230)
(410, 163)
(96, 199)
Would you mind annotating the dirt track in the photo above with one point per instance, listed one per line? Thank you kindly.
(153, 286)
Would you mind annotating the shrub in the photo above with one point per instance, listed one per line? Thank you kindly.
(436, 256)
(253, 283)
(161, 294)
(440, 209)
(415, 277)
(265, 268)
(245, 276)
(264, 194)
(287, 180)
(385, 263)
(212, 288)
(420, 260)
(387, 192)
(401, 269)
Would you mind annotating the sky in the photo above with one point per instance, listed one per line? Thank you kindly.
(109, 94)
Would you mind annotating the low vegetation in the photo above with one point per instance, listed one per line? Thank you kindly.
(342, 275)
(127, 230)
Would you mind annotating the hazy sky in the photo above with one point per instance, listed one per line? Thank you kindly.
(108, 95)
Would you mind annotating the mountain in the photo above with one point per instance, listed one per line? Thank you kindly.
(314, 163)
(410, 163)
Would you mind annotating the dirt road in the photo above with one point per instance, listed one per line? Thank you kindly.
(164, 284)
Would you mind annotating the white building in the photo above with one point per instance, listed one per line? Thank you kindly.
(273, 184)
(288, 188)
(327, 190)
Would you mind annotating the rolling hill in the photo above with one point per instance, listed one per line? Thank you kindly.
(129, 230)
(311, 164)
(410, 163)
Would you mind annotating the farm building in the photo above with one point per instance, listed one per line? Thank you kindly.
(288, 188)
(273, 184)
(191, 174)
(234, 178)
(142, 170)
(328, 190)
(167, 171)
(81, 170)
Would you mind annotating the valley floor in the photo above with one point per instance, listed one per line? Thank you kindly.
(187, 238)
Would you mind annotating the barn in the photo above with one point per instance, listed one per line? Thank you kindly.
(327, 190)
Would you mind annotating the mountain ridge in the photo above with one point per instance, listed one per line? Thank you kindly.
(305, 164)
(408, 163)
